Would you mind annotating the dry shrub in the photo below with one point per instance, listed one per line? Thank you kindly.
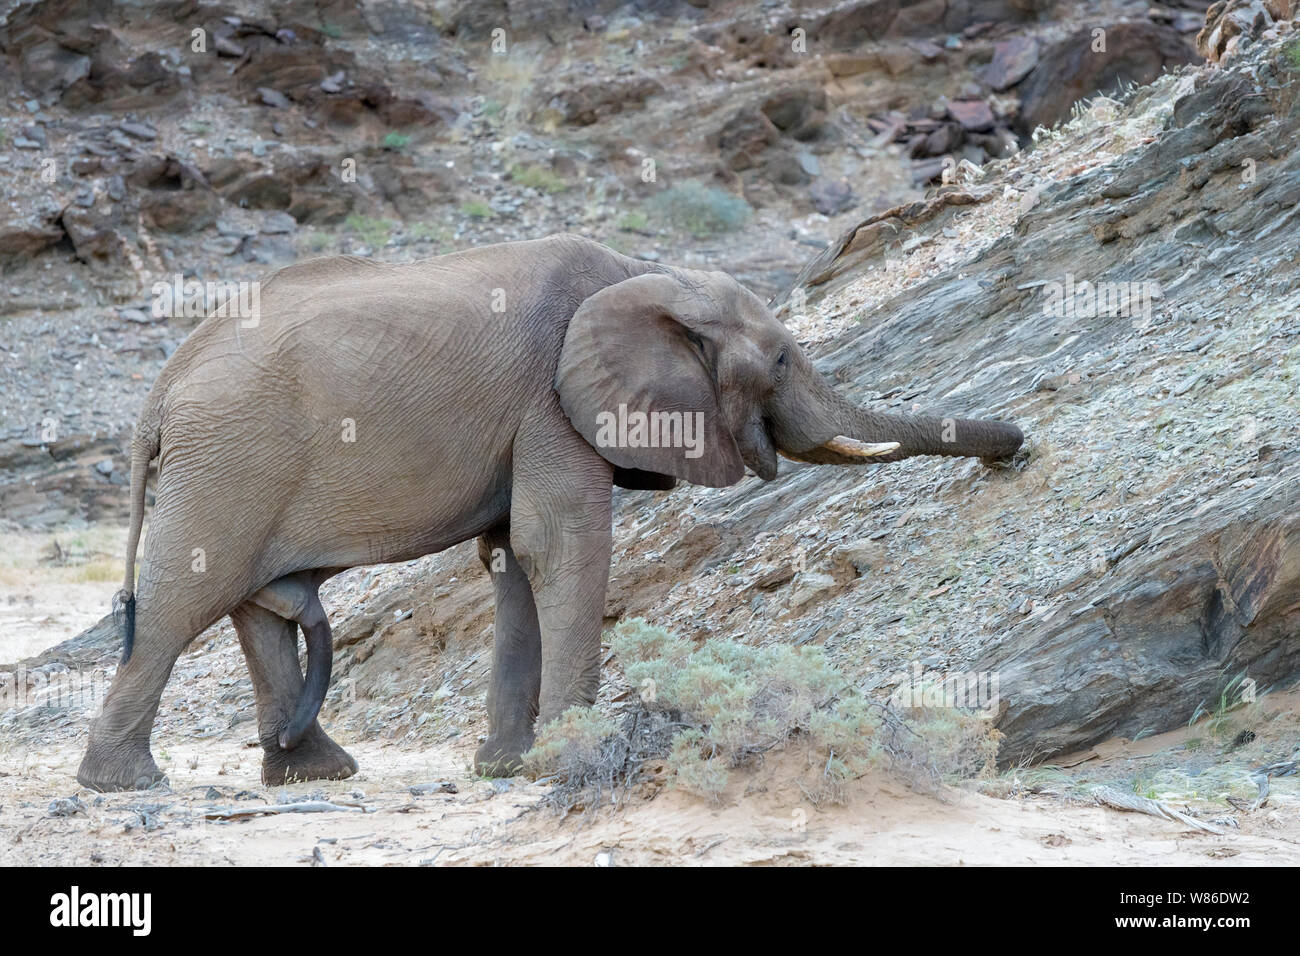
(705, 711)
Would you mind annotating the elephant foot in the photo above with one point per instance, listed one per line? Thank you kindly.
(109, 769)
(500, 757)
(315, 758)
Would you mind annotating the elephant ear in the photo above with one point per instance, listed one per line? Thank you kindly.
(637, 378)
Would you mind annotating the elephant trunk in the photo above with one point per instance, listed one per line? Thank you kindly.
(927, 435)
(860, 436)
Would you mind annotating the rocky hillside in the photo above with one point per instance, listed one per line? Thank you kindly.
(1139, 555)
(146, 141)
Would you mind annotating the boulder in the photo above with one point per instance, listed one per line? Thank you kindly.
(1013, 60)
(25, 236)
(799, 112)
(1135, 52)
(830, 197)
(744, 137)
(975, 116)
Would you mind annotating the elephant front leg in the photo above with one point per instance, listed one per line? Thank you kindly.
(561, 532)
(516, 660)
(270, 644)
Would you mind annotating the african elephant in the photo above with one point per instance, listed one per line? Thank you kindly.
(378, 412)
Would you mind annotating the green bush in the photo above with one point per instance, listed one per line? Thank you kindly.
(707, 710)
(572, 742)
(701, 210)
(1292, 53)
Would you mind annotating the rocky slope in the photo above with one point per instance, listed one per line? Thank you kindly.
(214, 141)
(1139, 555)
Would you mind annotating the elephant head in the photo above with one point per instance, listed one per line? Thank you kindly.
(689, 375)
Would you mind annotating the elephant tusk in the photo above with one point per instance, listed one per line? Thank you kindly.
(852, 448)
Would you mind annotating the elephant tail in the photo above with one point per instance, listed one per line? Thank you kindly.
(144, 448)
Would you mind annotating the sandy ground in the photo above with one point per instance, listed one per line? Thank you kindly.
(54, 585)
(205, 741)
(493, 823)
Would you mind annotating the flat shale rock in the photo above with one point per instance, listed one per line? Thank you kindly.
(1165, 631)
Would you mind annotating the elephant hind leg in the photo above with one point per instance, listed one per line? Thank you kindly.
(270, 644)
(118, 756)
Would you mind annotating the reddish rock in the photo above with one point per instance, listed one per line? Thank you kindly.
(975, 116)
(1012, 61)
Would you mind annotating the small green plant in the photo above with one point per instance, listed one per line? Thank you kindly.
(693, 765)
(1218, 720)
(537, 177)
(1291, 52)
(331, 30)
(428, 232)
(701, 210)
(316, 241)
(633, 221)
(396, 141)
(476, 209)
(1144, 786)
(373, 232)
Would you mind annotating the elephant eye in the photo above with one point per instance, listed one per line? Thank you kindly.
(782, 359)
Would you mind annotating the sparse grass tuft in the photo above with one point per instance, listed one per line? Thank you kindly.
(476, 209)
(374, 232)
(571, 743)
(633, 221)
(539, 178)
(1221, 721)
(316, 241)
(428, 232)
(701, 210)
(396, 141)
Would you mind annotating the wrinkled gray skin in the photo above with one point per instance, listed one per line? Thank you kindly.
(474, 381)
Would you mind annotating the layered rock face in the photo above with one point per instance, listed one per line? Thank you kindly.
(1176, 605)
